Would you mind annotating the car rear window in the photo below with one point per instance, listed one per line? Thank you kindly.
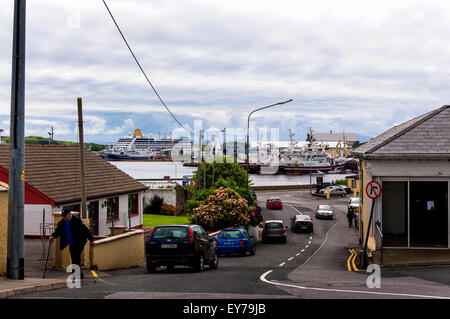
(274, 225)
(229, 234)
(170, 232)
(275, 200)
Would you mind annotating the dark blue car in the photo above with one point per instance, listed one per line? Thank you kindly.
(235, 240)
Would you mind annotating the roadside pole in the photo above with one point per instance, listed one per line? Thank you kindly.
(81, 142)
(373, 191)
(15, 253)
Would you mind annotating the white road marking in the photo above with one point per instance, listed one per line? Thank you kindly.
(297, 254)
(306, 246)
(263, 278)
(282, 264)
(303, 250)
(290, 258)
(300, 213)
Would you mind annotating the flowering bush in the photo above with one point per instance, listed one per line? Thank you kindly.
(224, 208)
(256, 216)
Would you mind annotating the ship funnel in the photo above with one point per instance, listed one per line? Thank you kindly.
(137, 132)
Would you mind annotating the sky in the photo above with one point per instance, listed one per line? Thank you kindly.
(353, 66)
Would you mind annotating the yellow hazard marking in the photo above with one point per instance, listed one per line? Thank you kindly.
(349, 266)
(94, 274)
(22, 177)
(353, 260)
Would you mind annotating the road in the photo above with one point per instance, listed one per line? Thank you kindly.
(307, 266)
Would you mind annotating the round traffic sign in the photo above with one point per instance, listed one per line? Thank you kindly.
(373, 190)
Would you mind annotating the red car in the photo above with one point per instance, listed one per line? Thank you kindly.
(274, 202)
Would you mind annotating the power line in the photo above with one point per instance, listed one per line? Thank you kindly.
(140, 67)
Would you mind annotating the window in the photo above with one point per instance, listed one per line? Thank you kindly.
(112, 208)
(230, 234)
(170, 232)
(353, 183)
(133, 208)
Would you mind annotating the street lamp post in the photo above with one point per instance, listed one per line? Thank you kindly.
(248, 129)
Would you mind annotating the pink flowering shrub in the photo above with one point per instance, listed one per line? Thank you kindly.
(225, 208)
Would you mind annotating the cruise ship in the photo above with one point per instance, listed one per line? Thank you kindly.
(139, 147)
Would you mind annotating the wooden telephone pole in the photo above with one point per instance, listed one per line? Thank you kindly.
(81, 142)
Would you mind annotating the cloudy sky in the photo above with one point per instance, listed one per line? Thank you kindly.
(357, 66)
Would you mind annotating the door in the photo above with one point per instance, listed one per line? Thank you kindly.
(93, 214)
(429, 214)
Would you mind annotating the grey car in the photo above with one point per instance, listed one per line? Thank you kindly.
(334, 191)
(324, 211)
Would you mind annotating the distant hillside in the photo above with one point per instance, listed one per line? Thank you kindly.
(42, 140)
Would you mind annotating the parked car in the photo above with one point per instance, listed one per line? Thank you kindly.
(302, 223)
(274, 202)
(274, 230)
(324, 211)
(187, 245)
(235, 240)
(334, 191)
(347, 189)
(353, 203)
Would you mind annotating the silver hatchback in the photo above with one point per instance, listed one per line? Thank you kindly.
(324, 211)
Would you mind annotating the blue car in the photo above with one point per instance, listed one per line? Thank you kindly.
(235, 240)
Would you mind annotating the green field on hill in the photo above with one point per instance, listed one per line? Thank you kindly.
(42, 140)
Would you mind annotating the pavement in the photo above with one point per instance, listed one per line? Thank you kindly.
(34, 270)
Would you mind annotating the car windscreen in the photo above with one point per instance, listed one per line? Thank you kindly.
(274, 225)
(354, 201)
(170, 232)
(229, 234)
(324, 208)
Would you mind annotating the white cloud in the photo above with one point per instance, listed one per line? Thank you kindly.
(356, 65)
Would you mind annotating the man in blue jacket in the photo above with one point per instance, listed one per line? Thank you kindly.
(73, 233)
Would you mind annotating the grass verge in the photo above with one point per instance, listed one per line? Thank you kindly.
(151, 220)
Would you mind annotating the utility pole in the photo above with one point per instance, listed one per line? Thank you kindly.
(15, 253)
(81, 142)
(199, 159)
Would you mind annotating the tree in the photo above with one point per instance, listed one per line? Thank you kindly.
(227, 171)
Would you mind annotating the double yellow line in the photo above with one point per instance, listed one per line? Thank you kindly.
(351, 260)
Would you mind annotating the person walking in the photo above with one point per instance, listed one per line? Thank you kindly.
(350, 218)
(356, 219)
(73, 233)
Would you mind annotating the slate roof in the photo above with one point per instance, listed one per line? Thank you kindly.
(55, 171)
(425, 136)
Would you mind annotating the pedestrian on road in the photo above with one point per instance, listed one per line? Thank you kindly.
(350, 218)
(73, 233)
(356, 219)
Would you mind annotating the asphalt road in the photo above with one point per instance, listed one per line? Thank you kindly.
(307, 266)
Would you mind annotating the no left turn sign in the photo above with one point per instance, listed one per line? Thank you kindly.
(373, 190)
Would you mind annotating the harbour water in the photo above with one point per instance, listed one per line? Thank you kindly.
(156, 171)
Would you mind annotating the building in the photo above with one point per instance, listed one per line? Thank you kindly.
(411, 161)
(52, 181)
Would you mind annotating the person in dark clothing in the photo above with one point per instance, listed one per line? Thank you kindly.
(350, 218)
(74, 233)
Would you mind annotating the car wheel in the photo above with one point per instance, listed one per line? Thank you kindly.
(343, 195)
(215, 263)
(284, 240)
(253, 252)
(200, 264)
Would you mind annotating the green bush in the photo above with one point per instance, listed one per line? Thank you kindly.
(340, 182)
